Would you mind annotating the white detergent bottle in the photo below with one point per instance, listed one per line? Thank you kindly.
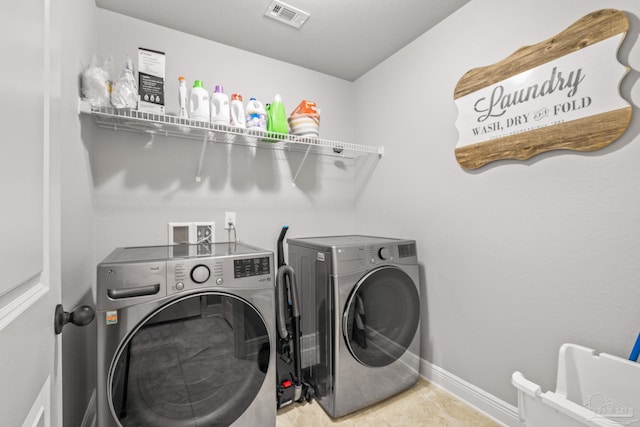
(219, 107)
(182, 98)
(199, 102)
(238, 119)
(256, 115)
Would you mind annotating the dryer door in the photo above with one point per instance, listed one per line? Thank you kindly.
(199, 360)
(381, 316)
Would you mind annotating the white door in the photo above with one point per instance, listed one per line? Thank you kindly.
(30, 377)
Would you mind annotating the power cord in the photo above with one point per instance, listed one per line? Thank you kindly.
(235, 235)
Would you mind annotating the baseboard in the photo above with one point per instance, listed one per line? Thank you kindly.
(90, 415)
(496, 409)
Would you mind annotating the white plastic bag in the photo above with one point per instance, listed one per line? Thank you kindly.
(125, 89)
(96, 84)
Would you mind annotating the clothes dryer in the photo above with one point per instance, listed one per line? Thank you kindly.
(186, 336)
(360, 318)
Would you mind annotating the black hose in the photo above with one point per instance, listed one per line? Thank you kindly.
(293, 290)
(281, 297)
(295, 312)
(280, 246)
(286, 272)
(286, 279)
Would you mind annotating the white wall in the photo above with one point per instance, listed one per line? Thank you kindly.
(74, 23)
(518, 257)
(139, 190)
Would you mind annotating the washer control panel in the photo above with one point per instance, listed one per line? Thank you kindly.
(200, 273)
(249, 267)
(237, 272)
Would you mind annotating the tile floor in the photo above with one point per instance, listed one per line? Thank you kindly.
(422, 405)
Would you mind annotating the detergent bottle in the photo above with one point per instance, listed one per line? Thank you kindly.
(256, 115)
(277, 117)
(199, 102)
(238, 119)
(182, 98)
(219, 107)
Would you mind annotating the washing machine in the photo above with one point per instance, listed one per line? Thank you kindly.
(186, 336)
(360, 318)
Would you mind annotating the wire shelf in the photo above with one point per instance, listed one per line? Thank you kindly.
(160, 124)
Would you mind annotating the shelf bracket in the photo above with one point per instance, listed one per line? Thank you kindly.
(295, 176)
(204, 148)
(149, 144)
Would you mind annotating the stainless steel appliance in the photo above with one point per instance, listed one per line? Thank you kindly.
(360, 317)
(186, 336)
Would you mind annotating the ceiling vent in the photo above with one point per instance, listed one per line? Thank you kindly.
(288, 14)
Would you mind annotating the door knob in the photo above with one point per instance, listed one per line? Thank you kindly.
(81, 316)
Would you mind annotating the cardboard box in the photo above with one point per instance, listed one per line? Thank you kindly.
(151, 69)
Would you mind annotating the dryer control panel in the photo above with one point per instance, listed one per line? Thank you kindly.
(396, 253)
(361, 257)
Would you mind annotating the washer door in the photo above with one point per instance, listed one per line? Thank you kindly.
(199, 360)
(381, 316)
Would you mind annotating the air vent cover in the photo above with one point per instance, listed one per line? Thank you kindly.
(285, 13)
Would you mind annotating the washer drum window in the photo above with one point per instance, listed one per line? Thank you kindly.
(200, 360)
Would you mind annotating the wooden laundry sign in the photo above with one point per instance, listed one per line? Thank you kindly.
(562, 93)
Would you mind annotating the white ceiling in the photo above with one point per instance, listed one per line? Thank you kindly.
(343, 38)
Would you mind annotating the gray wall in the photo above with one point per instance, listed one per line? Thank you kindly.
(122, 188)
(140, 187)
(518, 257)
(75, 41)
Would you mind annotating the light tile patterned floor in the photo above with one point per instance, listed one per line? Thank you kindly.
(422, 405)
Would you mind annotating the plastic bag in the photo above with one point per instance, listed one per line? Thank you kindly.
(125, 89)
(96, 86)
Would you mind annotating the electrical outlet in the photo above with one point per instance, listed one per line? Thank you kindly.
(229, 218)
